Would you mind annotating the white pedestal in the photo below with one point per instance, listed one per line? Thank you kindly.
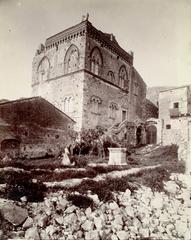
(117, 156)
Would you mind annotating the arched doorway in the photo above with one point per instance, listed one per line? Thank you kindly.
(11, 146)
(151, 134)
(139, 135)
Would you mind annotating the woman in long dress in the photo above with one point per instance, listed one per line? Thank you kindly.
(65, 158)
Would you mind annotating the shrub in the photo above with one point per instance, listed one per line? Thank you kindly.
(104, 188)
(96, 187)
(80, 161)
(21, 185)
(80, 200)
(120, 184)
(133, 161)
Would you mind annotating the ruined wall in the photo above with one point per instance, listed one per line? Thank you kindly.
(149, 110)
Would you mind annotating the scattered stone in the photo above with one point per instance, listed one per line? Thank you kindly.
(129, 211)
(87, 225)
(157, 202)
(63, 203)
(94, 197)
(59, 219)
(14, 214)
(70, 219)
(42, 220)
(122, 235)
(88, 211)
(171, 187)
(114, 237)
(113, 206)
(92, 235)
(50, 230)
(144, 232)
(23, 199)
(28, 223)
(70, 209)
(32, 234)
(44, 235)
(181, 227)
(98, 221)
(1, 235)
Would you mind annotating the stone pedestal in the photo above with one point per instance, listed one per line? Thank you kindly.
(117, 156)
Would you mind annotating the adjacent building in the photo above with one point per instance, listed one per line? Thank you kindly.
(33, 127)
(174, 123)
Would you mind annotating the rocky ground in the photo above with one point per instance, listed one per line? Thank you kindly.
(143, 214)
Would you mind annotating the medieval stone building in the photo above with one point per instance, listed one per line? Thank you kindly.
(86, 74)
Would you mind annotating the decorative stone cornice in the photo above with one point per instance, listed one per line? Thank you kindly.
(85, 27)
(69, 33)
(108, 42)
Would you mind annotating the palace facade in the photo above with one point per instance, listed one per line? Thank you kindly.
(87, 75)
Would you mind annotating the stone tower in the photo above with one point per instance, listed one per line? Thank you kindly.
(86, 74)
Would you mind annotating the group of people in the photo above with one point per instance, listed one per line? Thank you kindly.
(98, 147)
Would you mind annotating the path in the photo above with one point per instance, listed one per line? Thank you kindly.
(68, 183)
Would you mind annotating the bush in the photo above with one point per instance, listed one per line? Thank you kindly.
(80, 161)
(120, 184)
(80, 200)
(104, 188)
(20, 186)
(96, 187)
(133, 161)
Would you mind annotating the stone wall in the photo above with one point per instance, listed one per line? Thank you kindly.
(59, 90)
(38, 142)
(150, 110)
(175, 131)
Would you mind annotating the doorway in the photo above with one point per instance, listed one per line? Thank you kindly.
(151, 134)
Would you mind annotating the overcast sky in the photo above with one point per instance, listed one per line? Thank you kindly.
(157, 31)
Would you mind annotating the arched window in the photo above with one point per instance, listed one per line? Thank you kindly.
(43, 69)
(123, 77)
(95, 103)
(68, 105)
(71, 61)
(111, 76)
(113, 110)
(96, 61)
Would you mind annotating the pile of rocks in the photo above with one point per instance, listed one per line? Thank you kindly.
(144, 214)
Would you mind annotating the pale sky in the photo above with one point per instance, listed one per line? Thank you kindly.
(157, 31)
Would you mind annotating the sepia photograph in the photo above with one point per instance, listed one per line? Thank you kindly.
(95, 120)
